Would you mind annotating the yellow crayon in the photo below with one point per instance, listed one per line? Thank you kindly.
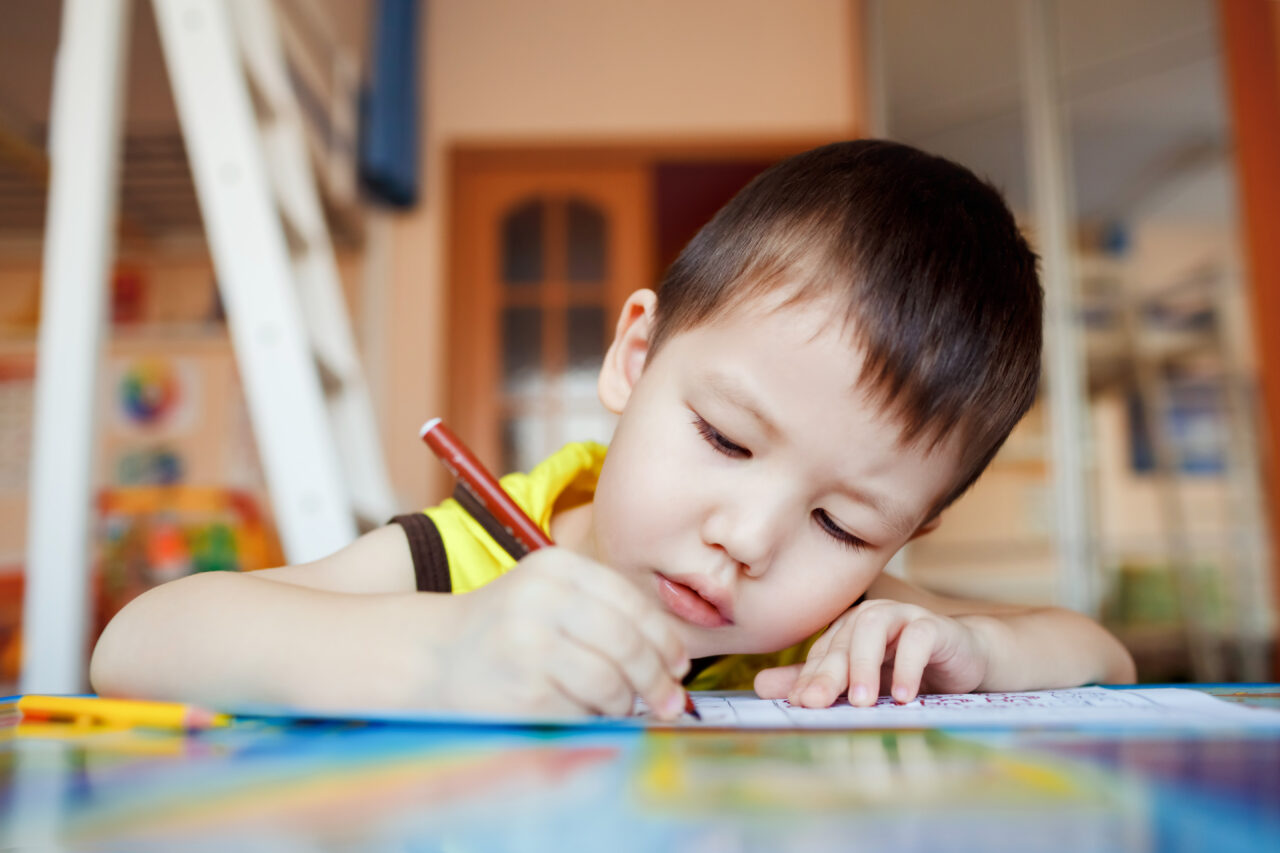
(93, 711)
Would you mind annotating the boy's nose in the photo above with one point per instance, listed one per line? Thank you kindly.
(749, 535)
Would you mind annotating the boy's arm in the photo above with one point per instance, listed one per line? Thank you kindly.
(379, 561)
(284, 635)
(907, 640)
(560, 635)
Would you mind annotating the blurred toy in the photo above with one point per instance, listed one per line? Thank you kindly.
(128, 296)
(153, 534)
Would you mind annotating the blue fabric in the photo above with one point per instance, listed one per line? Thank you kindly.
(389, 152)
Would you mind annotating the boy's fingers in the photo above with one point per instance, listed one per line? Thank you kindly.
(914, 650)
(866, 654)
(612, 589)
(817, 652)
(660, 631)
(776, 682)
(590, 681)
(615, 639)
(820, 686)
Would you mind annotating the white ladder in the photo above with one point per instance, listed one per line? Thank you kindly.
(304, 386)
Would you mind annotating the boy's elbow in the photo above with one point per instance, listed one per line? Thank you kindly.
(1117, 663)
(108, 665)
(1106, 660)
(119, 662)
(102, 663)
(1123, 670)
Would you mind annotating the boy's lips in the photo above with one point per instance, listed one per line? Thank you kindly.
(704, 608)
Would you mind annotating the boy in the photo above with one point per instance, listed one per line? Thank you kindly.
(831, 361)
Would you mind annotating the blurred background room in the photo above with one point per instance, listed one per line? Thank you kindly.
(248, 246)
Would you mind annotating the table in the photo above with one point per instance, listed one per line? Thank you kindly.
(342, 786)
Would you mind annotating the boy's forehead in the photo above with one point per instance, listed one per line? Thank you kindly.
(782, 317)
(820, 311)
(807, 314)
(806, 306)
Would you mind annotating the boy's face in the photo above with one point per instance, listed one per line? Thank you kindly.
(751, 488)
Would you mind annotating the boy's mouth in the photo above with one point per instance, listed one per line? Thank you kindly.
(692, 606)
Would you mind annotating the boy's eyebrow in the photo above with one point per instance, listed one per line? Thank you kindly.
(899, 522)
(734, 392)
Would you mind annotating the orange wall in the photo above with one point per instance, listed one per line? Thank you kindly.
(582, 71)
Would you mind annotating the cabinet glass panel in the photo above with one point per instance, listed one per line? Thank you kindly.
(586, 349)
(525, 442)
(587, 240)
(523, 232)
(522, 369)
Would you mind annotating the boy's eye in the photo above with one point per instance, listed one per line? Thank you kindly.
(837, 532)
(714, 438)
(723, 445)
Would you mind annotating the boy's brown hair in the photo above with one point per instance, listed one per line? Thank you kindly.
(940, 287)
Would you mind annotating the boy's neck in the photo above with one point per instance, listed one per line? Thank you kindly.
(571, 528)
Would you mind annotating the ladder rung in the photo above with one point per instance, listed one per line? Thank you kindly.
(289, 167)
(268, 82)
(330, 377)
(266, 105)
(335, 167)
(337, 363)
(299, 57)
(293, 234)
(336, 367)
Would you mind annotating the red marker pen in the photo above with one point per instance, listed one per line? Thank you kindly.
(483, 488)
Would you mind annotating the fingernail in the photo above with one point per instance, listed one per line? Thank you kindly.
(673, 706)
(900, 695)
(858, 695)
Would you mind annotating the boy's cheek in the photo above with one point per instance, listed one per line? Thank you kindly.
(641, 497)
(806, 598)
(624, 518)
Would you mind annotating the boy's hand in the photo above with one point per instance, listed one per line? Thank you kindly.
(882, 646)
(561, 634)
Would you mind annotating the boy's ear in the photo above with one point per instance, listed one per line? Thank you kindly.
(625, 358)
(928, 527)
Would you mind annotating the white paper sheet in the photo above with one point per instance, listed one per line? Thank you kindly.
(1162, 707)
(1082, 707)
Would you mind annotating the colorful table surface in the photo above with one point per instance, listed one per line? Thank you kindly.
(342, 786)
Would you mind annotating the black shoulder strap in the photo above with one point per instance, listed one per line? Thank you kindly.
(430, 562)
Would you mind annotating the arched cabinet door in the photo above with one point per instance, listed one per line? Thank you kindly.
(544, 256)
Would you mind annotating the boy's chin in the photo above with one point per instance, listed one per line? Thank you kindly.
(715, 642)
(697, 643)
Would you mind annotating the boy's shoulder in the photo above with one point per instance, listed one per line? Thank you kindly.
(565, 479)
